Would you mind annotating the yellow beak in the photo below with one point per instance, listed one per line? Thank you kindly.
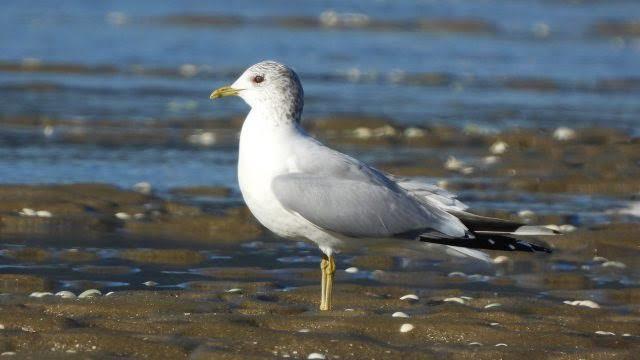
(224, 91)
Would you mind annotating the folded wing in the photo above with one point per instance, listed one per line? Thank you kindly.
(362, 209)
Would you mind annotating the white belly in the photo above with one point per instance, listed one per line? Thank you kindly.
(255, 188)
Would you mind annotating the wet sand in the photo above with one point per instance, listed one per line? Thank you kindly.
(190, 274)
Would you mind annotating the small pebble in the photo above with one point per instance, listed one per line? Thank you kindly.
(453, 164)
(27, 212)
(501, 344)
(89, 293)
(413, 132)
(66, 294)
(475, 343)
(399, 314)
(384, 131)
(564, 133)
(149, 283)
(494, 324)
(410, 297)
(110, 293)
(406, 328)
(600, 332)
(1, 326)
(585, 303)
(351, 270)
(38, 213)
(626, 334)
(600, 259)
(501, 259)
(304, 330)
(43, 213)
(467, 170)
(143, 188)
(614, 264)
(206, 138)
(492, 305)
(454, 299)
(479, 277)
(123, 216)
(39, 294)
(316, 356)
(490, 160)
(362, 133)
(235, 291)
(457, 274)
(498, 147)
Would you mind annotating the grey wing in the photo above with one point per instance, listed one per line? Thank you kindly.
(430, 194)
(366, 209)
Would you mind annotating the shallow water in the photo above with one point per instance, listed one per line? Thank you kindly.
(494, 65)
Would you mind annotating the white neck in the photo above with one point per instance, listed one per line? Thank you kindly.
(270, 120)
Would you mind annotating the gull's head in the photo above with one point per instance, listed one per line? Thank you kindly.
(268, 85)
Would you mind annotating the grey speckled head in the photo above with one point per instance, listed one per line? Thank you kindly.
(273, 87)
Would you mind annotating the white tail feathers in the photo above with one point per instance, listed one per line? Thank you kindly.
(465, 252)
(525, 230)
(535, 230)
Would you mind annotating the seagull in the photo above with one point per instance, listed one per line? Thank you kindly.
(299, 188)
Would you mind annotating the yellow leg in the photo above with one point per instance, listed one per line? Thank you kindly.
(323, 284)
(328, 267)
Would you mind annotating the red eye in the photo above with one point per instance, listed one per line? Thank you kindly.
(258, 79)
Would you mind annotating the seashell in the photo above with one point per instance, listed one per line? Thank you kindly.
(89, 293)
(585, 303)
(454, 299)
(410, 297)
(351, 270)
(600, 332)
(564, 133)
(39, 294)
(614, 264)
(123, 216)
(499, 147)
(66, 294)
(43, 213)
(399, 314)
(406, 328)
(492, 305)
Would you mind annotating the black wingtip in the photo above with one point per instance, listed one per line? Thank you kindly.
(491, 242)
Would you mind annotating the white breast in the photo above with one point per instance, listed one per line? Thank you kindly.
(263, 156)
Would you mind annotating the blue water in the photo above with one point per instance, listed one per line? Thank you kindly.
(125, 34)
(358, 70)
